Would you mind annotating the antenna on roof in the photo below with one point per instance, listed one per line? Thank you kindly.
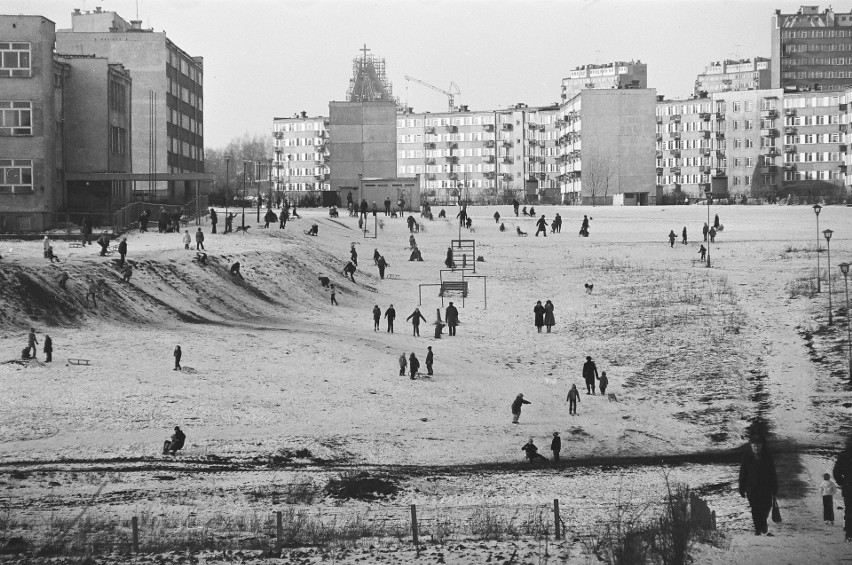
(137, 9)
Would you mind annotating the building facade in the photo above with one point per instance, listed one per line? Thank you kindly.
(167, 110)
(811, 50)
(32, 111)
(362, 142)
(615, 75)
(743, 74)
(301, 153)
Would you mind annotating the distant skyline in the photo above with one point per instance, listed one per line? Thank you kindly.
(266, 58)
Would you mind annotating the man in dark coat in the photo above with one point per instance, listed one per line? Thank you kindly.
(214, 219)
(429, 360)
(556, 445)
(364, 210)
(413, 365)
(542, 226)
(122, 251)
(532, 452)
(590, 373)
(415, 318)
(758, 483)
(103, 241)
(387, 206)
(377, 316)
(48, 349)
(449, 262)
(176, 442)
(843, 477)
(683, 235)
(382, 265)
(143, 220)
(538, 310)
(390, 314)
(87, 229)
(349, 269)
(452, 317)
(516, 407)
(705, 230)
(515, 205)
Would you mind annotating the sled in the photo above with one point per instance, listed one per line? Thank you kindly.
(393, 277)
(75, 244)
(76, 361)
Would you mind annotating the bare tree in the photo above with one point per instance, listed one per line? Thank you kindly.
(246, 148)
(598, 169)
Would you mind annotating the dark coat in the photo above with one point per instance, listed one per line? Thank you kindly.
(516, 405)
(364, 207)
(178, 440)
(413, 364)
(429, 358)
(452, 316)
(270, 216)
(531, 450)
(122, 248)
(415, 317)
(377, 313)
(549, 319)
(48, 344)
(556, 444)
(214, 217)
(843, 472)
(541, 223)
(757, 475)
(590, 371)
(390, 314)
(539, 315)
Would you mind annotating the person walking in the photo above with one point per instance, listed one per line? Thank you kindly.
(353, 254)
(573, 398)
(32, 342)
(702, 251)
(103, 241)
(376, 255)
(390, 315)
(364, 210)
(87, 230)
(413, 365)
(515, 205)
(333, 296)
(199, 240)
(46, 245)
(403, 363)
(122, 251)
(452, 317)
(842, 473)
(92, 291)
(672, 238)
(177, 354)
(712, 234)
(48, 349)
(590, 373)
(758, 483)
(603, 382)
(63, 279)
(683, 234)
(415, 318)
(350, 269)
(516, 407)
(556, 445)
(496, 217)
(282, 218)
(187, 239)
(538, 310)
(584, 227)
(214, 219)
(557, 221)
(716, 222)
(377, 316)
(549, 319)
(705, 230)
(449, 260)
(827, 490)
(429, 360)
(382, 265)
(542, 226)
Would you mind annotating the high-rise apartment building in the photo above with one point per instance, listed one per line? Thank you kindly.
(690, 145)
(301, 153)
(741, 74)
(167, 95)
(812, 50)
(618, 74)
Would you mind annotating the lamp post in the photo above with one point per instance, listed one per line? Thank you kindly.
(257, 177)
(827, 234)
(244, 194)
(227, 174)
(817, 210)
(269, 176)
(709, 197)
(844, 268)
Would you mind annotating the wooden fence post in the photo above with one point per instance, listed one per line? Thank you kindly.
(556, 522)
(279, 533)
(134, 524)
(414, 524)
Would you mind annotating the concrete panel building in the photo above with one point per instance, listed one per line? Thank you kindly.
(31, 117)
(167, 95)
(301, 153)
(607, 147)
(362, 142)
(688, 147)
(811, 49)
(97, 141)
(742, 74)
(615, 75)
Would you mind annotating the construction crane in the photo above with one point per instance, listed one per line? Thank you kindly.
(451, 92)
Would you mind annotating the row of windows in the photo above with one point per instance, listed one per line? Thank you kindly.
(118, 97)
(816, 47)
(185, 149)
(15, 59)
(187, 122)
(305, 186)
(823, 157)
(822, 120)
(816, 74)
(299, 126)
(812, 138)
(302, 171)
(117, 140)
(815, 34)
(811, 101)
(301, 157)
(298, 141)
(16, 175)
(812, 175)
(683, 179)
(187, 67)
(16, 117)
(472, 183)
(802, 62)
(186, 95)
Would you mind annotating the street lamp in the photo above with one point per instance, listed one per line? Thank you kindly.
(227, 174)
(709, 197)
(844, 268)
(827, 234)
(257, 177)
(269, 176)
(817, 210)
(244, 194)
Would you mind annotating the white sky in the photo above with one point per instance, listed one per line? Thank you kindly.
(265, 58)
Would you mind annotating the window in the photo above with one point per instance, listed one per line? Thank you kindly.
(118, 140)
(15, 60)
(749, 124)
(16, 118)
(16, 175)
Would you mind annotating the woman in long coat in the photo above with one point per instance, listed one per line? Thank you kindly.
(539, 315)
(549, 319)
(758, 483)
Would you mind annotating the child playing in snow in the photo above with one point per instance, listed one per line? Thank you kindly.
(828, 489)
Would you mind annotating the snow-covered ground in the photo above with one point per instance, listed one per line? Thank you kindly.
(694, 356)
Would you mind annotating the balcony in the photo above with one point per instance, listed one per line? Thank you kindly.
(508, 143)
(489, 174)
(674, 134)
(508, 160)
(675, 170)
(659, 119)
(843, 128)
(319, 178)
(719, 116)
(767, 169)
(703, 186)
(430, 176)
(507, 127)
(489, 159)
(659, 171)
(769, 132)
(430, 130)
(429, 145)
(532, 125)
(278, 134)
(704, 151)
(842, 107)
(789, 166)
(541, 128)
(720, 153)
(705, 134)
(704, 169)
(790, 130)
(789, 149)
(719, 135)
(508, 176)
(452, 129)
(719, 172)
(659, 137)
(842, 148)
(842, 167)
(489, 127)
(770, 114)
(790, 112)
(675, 153)
(675, 118)
(490, 143)
(452, 158)
(453, 176)
(658, 154)
(532, 142)
(452, 145)
(430, 161)
(771, 150)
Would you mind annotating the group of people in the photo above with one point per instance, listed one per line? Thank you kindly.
(29, 352)
(544, 315)
(413, 364)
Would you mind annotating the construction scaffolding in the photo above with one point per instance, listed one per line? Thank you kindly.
(369, 82)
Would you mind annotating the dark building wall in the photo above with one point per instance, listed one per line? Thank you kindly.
(363, 142)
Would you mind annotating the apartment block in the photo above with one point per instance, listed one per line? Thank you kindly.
(166, 100)
(31, 124)
(741, 74)
(690, 144)
(615, 75)
(301, 153)
(811, 49)
(815, 148)
(606, 147)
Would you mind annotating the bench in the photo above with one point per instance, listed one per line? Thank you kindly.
(453, 286)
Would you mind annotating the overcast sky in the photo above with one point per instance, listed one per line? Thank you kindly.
(265, 58)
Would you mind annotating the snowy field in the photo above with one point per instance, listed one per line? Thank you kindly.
(694, 356)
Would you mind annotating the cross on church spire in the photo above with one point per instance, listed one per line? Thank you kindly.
(364, 50)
